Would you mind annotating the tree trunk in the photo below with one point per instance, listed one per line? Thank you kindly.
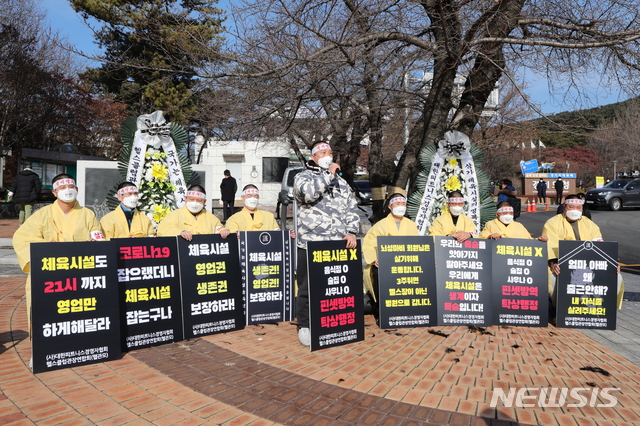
(429, 129)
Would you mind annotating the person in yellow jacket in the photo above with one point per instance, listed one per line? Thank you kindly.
(63, 221)
(191, 219)
(503, 225)
(563, 227)
(454, 223)
(393, 224)
(126, 220)
(250, 218)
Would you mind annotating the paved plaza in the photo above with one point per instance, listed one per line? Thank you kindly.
(262, 376)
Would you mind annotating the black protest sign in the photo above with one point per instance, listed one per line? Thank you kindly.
(336, 302)
(266, 263)
(587, 285)
(520, 289)
(75, 315)
(149, 277)
(406, 280)
(211, 285)
(463, 279)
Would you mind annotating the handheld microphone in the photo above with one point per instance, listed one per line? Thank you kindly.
(339, 172)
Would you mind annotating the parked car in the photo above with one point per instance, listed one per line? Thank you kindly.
(285, 197)
(615, 195)
(286, 190)
(363, 192)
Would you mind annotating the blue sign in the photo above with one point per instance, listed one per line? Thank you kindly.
(563, 175)
(530, 166)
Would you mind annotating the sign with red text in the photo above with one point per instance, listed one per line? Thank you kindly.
(266, 263)
(149, 278)
(75, 314)
(463, 279)
(520, 282)
(407, 281)
(211, 285)
(336, 302)
(587, 285)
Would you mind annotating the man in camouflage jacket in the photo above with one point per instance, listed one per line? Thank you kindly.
(326, 211)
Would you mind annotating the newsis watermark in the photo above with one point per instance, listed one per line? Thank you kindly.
(554, 397)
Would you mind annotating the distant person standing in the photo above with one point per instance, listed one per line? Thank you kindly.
(559, 187)
(25, 190)
(542, 191)
(228, 189)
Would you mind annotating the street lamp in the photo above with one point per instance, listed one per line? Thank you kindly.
(615, 163)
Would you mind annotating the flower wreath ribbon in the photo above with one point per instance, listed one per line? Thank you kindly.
(455, 145)
(154, 130)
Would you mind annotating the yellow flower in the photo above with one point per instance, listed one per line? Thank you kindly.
(159, 172)
(453, 162)
(159, 212)
(453, 184)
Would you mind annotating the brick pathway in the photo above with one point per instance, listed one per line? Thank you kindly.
(261, 375)
(416, 368)
(8, 227)
(120, 392)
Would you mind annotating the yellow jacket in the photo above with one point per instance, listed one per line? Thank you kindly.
(261, 221)
(183, 220)
(443, 225)
(558, 228)
(385, 227)
(114, 225)
(51, 224)
(514, 230)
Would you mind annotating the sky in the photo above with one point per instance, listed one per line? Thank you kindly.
(70, 26)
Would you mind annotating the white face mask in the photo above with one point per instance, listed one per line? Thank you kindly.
(506, 218)
(574, 214)
(131, 202)
(194, 207)
(325, 162)
(68, 195)
(456, 210)
(251, 202)
(399, 211)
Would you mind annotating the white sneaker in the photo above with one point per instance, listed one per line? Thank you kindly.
(304, 336)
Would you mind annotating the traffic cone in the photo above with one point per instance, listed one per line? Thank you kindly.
(546, 206)
(528, 205)
(534, 205)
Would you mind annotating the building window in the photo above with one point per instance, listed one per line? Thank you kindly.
(273, 168)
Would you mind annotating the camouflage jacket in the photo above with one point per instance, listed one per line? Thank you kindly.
(326, 206)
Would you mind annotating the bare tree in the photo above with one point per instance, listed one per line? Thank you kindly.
(42, 103)
(619, 141)
(348, 95)
(473, 38)
(501, 133)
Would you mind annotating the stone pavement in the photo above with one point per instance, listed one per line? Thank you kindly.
(625, 340)
(262, 376)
